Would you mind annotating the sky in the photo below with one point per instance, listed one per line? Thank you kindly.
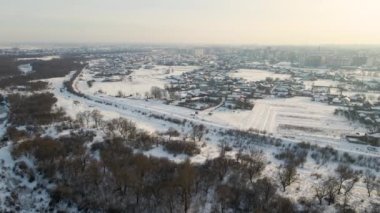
(282, 22)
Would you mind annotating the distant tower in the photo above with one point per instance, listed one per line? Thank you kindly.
(199, 52)
(362, 79)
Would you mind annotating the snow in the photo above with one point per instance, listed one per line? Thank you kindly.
(161, 153)
(306, 181)
(326, 82)
(70, 103)
(294, 119)
(365, 75)
(44, 58)
(321, 82)
(373, 96)
(137, 83)
(3, 115)
(209, 150)
(298, 114)
(25, 68)
(73, 105)
(285, 64)
(28, 199)
(256, 75)
(269, 114)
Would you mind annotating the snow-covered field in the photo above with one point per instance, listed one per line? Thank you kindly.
(269, 114)
(321, 82)
(25, 68)
(365, 75)
(129, 108)
(303, 187)
(332, 83)
(139, 82)
(28, 199)
(256, 75)
(293, 119)
(44, 58)
(296, 118)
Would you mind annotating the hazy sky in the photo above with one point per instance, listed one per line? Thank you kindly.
(192, 21)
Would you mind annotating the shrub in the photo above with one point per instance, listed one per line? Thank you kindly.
(33, 109)
(181, 147)
(16, 135)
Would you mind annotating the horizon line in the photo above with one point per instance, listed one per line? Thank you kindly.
(203, 44)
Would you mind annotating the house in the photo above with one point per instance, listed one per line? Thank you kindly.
(320, 98)
(233, 97)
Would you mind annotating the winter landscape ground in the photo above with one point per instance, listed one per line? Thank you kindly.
(252, 126)
(190, 106)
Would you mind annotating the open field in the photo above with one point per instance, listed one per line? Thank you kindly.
(44, 58)
(137, 83)
(320, 82)
(293, 117)
(256, 75)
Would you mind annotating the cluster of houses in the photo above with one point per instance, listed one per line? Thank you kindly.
(217, 84)
(212, 81)
(109, 67)
(212, 84)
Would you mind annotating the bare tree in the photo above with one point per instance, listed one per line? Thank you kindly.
(126, 128)
(266, 190)
(347, 187)
(198, 132)
(220, 166)
(87, 117)
(84, 118)
(173, 96)
(80, 118)
(156, 92)
(111, 128)
(225, 194)
(253, 163)
(147, 95)
(96, 117)
(344, 173)
(185, 180)
(370, 181)
(332, 186)
(287, 175)
(172, 132)
(320, 191)
(120, 94)
(223, 146)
